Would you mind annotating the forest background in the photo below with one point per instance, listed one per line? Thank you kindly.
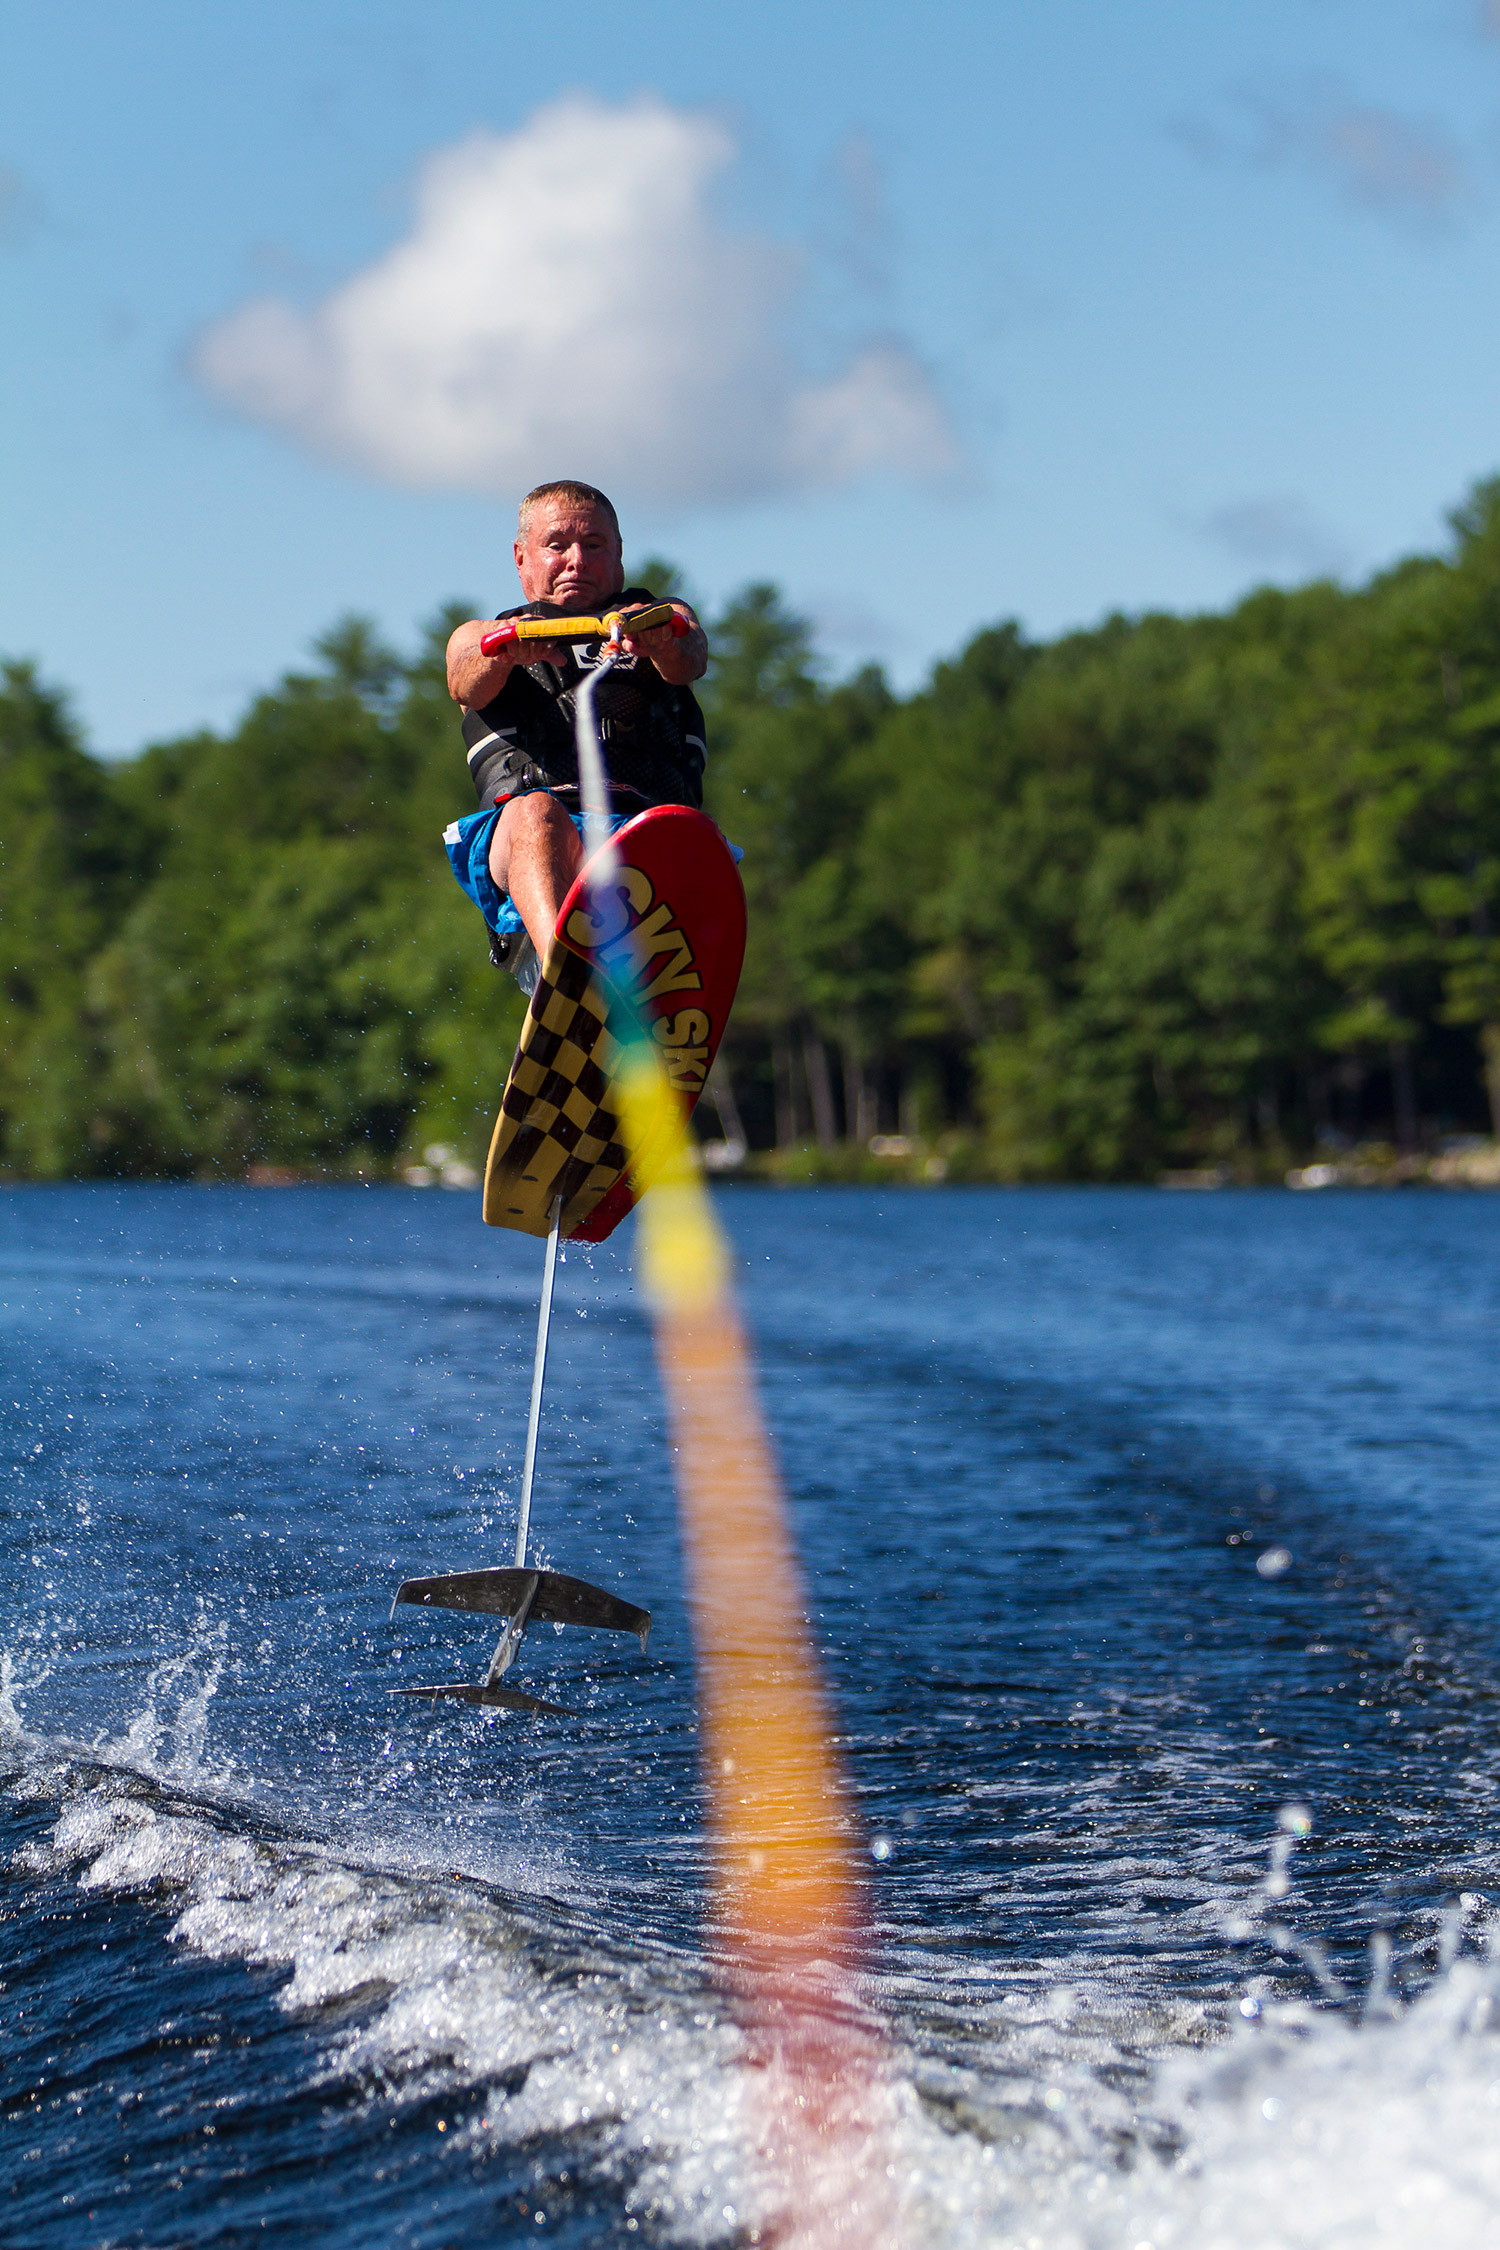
(1216, 892)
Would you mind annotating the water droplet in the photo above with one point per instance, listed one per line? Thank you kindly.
(880, 1847)
(1274, 1562)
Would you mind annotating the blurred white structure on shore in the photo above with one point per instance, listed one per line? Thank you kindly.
(440, 1168)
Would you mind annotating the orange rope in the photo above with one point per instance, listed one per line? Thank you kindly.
(789, 1897)
(789, 1893)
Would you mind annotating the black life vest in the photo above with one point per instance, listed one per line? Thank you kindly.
(653, 733)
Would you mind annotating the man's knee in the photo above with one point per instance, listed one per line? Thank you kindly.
(535, 821)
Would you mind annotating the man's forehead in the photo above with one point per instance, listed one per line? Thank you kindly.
(549, 517)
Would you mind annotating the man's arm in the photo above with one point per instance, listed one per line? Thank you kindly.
(474, 679)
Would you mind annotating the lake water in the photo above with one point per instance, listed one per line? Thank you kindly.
(283, 1958)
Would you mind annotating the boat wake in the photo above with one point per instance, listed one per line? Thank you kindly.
(527, 2028)
(286, 1955)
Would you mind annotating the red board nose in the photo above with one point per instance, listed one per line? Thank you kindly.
(674, 911)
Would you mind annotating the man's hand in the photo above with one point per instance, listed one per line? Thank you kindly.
(680, 657)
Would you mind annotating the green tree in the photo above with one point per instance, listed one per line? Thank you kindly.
(71, 855)
(1173, 890)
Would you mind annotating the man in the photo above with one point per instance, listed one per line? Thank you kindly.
(517, 858)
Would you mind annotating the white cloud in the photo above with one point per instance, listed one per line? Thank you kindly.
(855, 227)
(1276, 530)
(567, 303)
(20, 208)
(1401, 167)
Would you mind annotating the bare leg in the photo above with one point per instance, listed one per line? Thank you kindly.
(535, 853)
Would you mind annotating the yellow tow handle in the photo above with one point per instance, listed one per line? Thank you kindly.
(583, 628)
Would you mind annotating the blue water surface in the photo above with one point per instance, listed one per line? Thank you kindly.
(1129, 1520)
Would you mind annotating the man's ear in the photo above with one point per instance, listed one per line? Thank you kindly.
(518, 549)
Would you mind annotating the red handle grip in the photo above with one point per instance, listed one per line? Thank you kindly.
(498, 639)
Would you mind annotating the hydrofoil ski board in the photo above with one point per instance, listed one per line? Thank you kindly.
(651, 938)
(663, 939)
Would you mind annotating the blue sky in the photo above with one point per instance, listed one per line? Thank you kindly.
(933, 315)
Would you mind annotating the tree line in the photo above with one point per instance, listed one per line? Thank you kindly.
(1176, 891)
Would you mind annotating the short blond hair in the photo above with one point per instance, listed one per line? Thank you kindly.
(567, 488)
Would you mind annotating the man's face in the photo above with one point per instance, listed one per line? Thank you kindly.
(570, 555)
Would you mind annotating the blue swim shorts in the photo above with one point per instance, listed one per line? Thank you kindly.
(468, 846)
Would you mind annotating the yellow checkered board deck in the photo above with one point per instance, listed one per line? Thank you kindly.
(557, 1133)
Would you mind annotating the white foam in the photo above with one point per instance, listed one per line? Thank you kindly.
(169, 1735)
(1319, 2133)
(1300, 2130)
(12, 1726)
(642, 2064)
